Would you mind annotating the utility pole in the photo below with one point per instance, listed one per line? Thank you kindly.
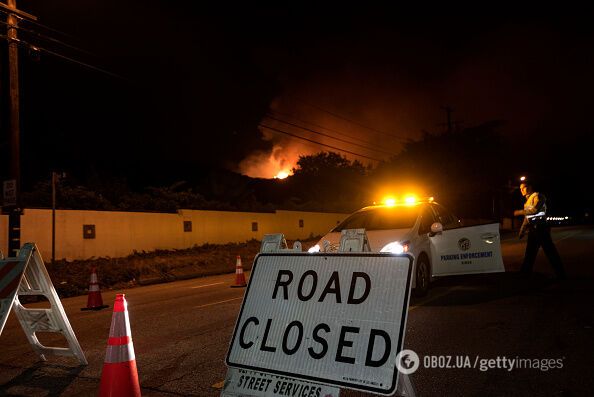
(14, 218)
(13, 102)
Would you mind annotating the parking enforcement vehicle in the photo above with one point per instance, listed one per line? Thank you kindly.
(433, 235)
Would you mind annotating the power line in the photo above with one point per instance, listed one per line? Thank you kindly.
(318, 125)
(36, 23)
(349, 120)
(329, 136)
(57, 55)
(47, 38)
(319, 143)
(14, 12)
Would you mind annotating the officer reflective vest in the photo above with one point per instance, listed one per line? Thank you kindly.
(535, 210)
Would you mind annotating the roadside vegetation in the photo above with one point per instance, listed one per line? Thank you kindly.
(71, 278)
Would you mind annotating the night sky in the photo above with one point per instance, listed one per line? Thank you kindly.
(197, 83)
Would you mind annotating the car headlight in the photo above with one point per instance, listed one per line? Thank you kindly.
(395, 247)
(315, 248)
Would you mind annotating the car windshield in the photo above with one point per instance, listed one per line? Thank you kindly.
(382, 218)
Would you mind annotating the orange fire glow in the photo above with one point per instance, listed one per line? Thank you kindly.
(292, 120)
(282, 174)
(278, 163)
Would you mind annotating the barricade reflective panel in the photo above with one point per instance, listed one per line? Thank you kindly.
(273, 242)
(277, 243)
(27, 275)
(354, 240)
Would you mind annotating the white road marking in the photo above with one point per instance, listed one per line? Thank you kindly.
(216, 303)
(566, 237)
(207, 285)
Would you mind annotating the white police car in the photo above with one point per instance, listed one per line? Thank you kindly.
(434, 236)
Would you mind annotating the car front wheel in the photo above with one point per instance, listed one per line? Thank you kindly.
(422, 276)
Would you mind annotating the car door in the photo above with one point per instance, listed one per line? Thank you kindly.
(467, 250)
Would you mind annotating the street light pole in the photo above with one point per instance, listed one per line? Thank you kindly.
(54, 177)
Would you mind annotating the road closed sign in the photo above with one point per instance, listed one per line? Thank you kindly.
(337, 319)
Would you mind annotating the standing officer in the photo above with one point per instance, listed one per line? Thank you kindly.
(539, 233)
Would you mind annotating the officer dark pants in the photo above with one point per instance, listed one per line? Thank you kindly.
(540, 236)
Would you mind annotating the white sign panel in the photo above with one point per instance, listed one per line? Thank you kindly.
(331, 318)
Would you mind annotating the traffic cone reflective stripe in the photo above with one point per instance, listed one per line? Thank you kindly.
(239, 276)
(120, 375)
(119, 344)
(116, 341)
(120, 353)
(94, 299)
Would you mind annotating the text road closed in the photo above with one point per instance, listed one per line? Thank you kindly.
(335, 319)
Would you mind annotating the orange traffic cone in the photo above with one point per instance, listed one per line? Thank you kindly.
(94, 299)
(119, 376)
(239, 276)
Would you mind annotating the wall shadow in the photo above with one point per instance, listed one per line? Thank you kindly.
(52, 378)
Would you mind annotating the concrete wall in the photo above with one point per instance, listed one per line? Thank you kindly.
(118, 234)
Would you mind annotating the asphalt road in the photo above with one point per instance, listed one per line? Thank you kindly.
(181, 332)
